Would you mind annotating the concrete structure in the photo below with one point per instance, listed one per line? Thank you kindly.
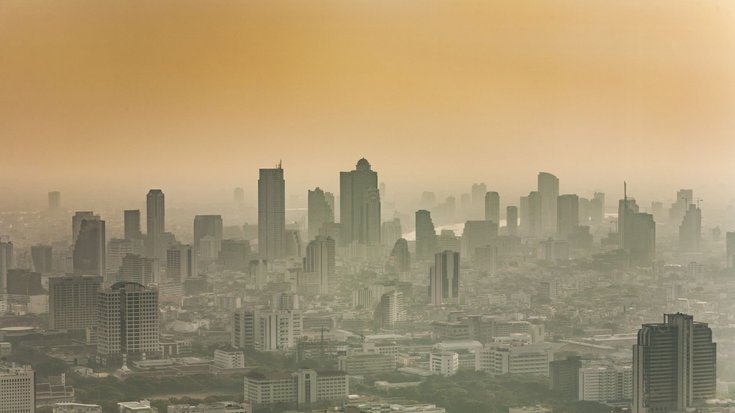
(229, 359)
(444, 278)
(445, 363)
(17, 392)
(300, 388)
(605, 383)
(90, 252)
(271, 213)
(180, 263)
(358, 210)
(499, 359)
(366, 363)
(267, 330)
(73, 301)
(155, 224)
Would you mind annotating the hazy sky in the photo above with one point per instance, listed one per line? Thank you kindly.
(195, 96)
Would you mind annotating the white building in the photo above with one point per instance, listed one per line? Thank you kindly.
(602, 383)
(298, 388)
(127, 320)
(17, 391)
(143, 406)
(267, 330)
(445, 363)
(229, 359)
(503, 359)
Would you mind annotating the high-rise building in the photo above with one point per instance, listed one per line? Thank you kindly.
(155, 224)
(320, 211)
(534, 227)
(6, 263)
(76, 222)
(235, 254)
(674, 365)
(117, 248)
(444, 278)
(597, 208)
(478, 197)
(400, 256)
(42, 258)
(208, 226)
(359, 205)
(684, 197)
(390, 309)
(548, 189)
(272, 213)
(492, 207)
(525, 215)
(127, 320)
(605, 383)
(640, 238)
(17, 389)
(730, 249)
(90, 251)
(137, 269)
(266, 330)
(690, 230)
(180, 263)
(567, 215)
(54, 200)
(132, 224)
(564, 375)
(320, 260)
(72, 301)
(511, 219)
(425, 235)
(477, 234)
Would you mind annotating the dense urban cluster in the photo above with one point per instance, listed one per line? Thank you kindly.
(352, 302)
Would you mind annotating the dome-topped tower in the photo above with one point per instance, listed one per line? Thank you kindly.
(363, 165)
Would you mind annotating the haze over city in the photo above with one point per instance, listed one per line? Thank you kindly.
(367, 206)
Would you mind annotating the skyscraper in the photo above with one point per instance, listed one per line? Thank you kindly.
(208, 226)
(548, 189)
(684, 197)
(6, 263)
(137, 269)
(320, 260)
(320, 211)
(390, 309)
(511, 219)
(637, 232)
(477, 234)
(180, 263)
(690, 230)
(132, 224)
(567, 215)
(42, 258)
(271, 214)
(76, 222)
(730, 249)
(72, 301)
(359, 204)
(597, 208)
(400, 256)
(444, 278)
(478, 199)
(492, 207)
(534, 228)
(674, 365)
(127, 320)
(425, 235)
(89, 257)
(155, 223)
(54, 200)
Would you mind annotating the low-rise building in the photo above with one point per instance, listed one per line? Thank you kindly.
(445, 363)
(143, 406)
(302, 387)
(229, 359)
(77, 408)
(366, 363)
(503, 359)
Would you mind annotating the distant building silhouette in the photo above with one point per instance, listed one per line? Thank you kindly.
(42, 258)
(132, 224)
(360, 205)
(54, 200)
(444, 278)
(320, 260)
(271, 214)
(6, 263)
(90, 252)
(180, 263)
(207, 237)
(511, 220)
(155, 224)
(401, 256)
(425, 235)
(548, 189)
(690, 230)
(320, 211)
(730, 249)
(567, 215)
(492, 207)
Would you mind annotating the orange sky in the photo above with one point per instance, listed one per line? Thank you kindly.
(195, 95)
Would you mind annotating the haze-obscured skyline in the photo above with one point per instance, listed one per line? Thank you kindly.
(194, 97)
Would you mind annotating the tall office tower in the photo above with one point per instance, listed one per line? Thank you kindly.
(684, 197)
(320, 211)
(525, 215)
(132, 224)
(626, 207)
(390, 309)
(42, 258)
(155, 223)
(597, 208)
(640, 238)
(444, 278)
(425, 235)
(238, 195)
(548, 189)
(90, 251)
(180, 264)
(137, 269)
(567, 215)
(6, 263)
(72, 301)
(730, 249)
(390, 232)
(478, 200)
(357, 189)
(371, 217)
(116, 249)
(17, 389)
(127, 320)
(674, 365)
(54, 200)
(293, 243)
(76, 222)
(511, 219)
(319, 260)
(477, 234)
(208, 226)
(235, 254)
(492, 207)
(535, 215)
(271, 214)
(584, 212)
(401, 256)
(690, 230)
